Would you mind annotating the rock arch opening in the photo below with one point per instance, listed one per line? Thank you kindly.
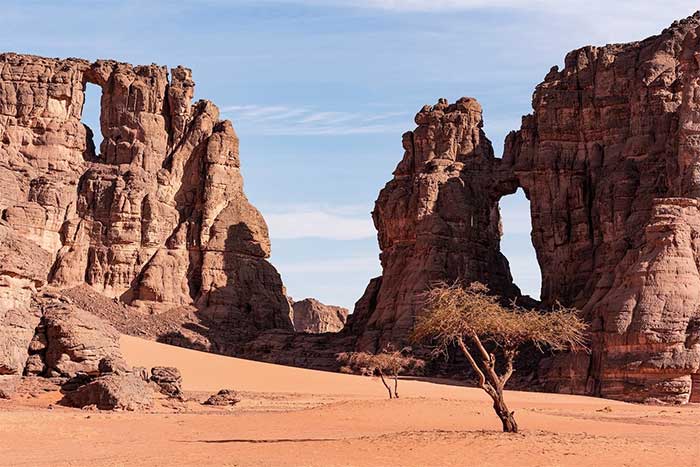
(90, 117)
(516, 243)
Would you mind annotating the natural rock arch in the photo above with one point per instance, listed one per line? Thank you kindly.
(609, 161)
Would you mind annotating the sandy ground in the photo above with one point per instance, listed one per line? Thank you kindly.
(295, 417)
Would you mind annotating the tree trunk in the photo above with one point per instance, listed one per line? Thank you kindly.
(396, 386)
(506, 416)
(388, 388)
(491, 383)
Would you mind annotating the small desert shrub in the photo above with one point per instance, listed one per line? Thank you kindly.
(481, 327)
(389, 363)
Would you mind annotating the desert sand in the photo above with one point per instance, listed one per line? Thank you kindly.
(298, 417)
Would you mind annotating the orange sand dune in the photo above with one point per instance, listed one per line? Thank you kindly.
(203, 371)
(297, 417)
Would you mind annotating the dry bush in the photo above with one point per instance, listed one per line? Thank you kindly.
(470, 318)
(389, 363)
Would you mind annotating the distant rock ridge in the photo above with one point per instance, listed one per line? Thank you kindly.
(310, 315)
(610, 161)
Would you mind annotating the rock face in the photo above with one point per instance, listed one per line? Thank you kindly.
(157, 217)
(438, 220)
(312, 316)
(610, 161)
(23, 266)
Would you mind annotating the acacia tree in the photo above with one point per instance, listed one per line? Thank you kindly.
(389, 363)
(470, 318)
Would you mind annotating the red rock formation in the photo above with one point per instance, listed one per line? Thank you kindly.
(612, 136)
(610, 161)
(23, 267)
(310, 315)
(158, 217)
(438, 220)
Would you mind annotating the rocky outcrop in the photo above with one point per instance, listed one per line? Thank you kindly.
(168, 379)
(225, 397)
(437, 220)
(113, 392)
(23, 266)
(610, 161)
(73, 341)
(312, 316)
(157, 217)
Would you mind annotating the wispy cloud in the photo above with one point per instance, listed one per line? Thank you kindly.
(285, 120)
(305, 221)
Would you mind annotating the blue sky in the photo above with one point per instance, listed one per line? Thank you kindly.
(320, 92)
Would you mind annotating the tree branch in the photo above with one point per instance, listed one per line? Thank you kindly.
(489, 360)
(482, 379)
(388, 388)
(509, 355)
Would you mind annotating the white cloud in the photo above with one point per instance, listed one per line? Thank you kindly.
(285, 120)
(342, 223)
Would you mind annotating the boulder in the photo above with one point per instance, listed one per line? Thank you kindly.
(168, 379)
(8, 386)
(113, 392)
(76, 341)
(225, 397)
(113, 364)
(23, 266)
(16, 331)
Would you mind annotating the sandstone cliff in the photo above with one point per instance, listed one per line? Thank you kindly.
(610, 161)
(157, 216)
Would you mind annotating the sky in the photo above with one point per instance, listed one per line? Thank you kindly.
(320, 91)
